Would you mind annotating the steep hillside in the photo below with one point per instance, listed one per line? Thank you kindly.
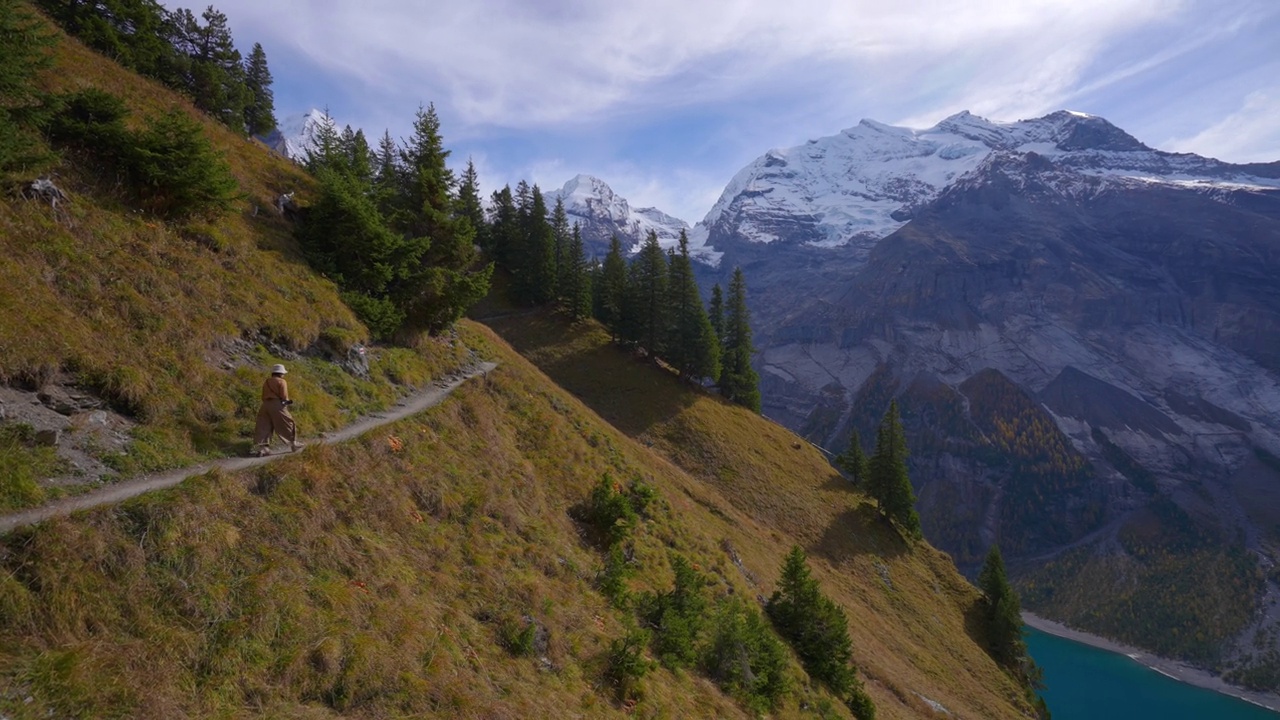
(445, 566)
(387, 577)
(143, 340)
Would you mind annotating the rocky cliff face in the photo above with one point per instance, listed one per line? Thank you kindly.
(1083, 334)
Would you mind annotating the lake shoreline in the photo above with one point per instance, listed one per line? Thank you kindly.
(1174, 669)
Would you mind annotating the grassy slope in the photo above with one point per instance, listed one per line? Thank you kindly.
(910, 637)
(135, 308)
(375, 583)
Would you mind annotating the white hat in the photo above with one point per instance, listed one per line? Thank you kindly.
(278, 369)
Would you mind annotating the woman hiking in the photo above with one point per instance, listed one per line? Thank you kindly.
(273, 416)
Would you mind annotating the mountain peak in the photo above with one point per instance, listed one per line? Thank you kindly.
(602, 213)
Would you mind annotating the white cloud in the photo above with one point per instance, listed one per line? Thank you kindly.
(1251, 134)
(515, 63)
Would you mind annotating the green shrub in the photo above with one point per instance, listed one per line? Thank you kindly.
(177, 171)
(610, 511)
(517, 636)
(816, 627)
(745, 658)
(677, 616)
(626, 662)
(613, 578)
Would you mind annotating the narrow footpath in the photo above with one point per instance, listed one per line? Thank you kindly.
(430, 396)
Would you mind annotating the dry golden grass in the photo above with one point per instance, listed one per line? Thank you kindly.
(907, 605)
(135, 308)
(374, 582)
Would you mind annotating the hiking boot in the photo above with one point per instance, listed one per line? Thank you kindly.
(260, 452)
(295, 446)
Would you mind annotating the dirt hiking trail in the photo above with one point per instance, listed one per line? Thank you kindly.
(430, 396)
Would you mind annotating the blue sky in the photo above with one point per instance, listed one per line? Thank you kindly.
(667, 99)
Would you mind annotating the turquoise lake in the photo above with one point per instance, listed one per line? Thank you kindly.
(1084, 683)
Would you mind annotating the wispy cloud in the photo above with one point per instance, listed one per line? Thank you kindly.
(666, 99)
(1251, 134)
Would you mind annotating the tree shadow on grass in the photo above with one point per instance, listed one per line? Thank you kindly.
(631, 392)
(860, 530)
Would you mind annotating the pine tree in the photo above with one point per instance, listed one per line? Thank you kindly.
(739, 382)
(853, 461)
(469, 206)
(326, 150)
(613, 289)
(23, 52)
(818, 630)
(345, 237)
(542, 250)
(693, 348)
(577, 290)
(715, 313)
(562, 243)
(504, 226)
(388, 177)
(260, 112)
(1003, 611)
(447, 283)
(888, 481)
(647, 296)
(218, 78)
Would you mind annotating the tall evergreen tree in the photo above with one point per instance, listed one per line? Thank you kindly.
(887, 480)
(448, 281)
(260, 111)
(504, 226)
(563, 242)
(542, 250)
(739, 382)
(715, 313)
(613, 289)
(853, 461)
(388, 177)
(469, 205)
(693, 348)
(218, 77)
(818, 630)
(1003, 612)
(326, 151)
(577, 280)
(647, 296)
(23, 52)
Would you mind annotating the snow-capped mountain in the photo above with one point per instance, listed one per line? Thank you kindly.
(1054, 273)
(296, 134)
(859, 186)
(600, 213)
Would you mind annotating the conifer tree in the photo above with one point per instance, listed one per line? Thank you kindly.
(260, 111)
(693, 347)
(357, 156)
(887, 479)
(562, 243)
(818, 630)
(647, 296)
(218, 77)
(388, 177)
(533, 261)
(613, 289)
(715, 313)
(326, 151)
(739, 382)
(23, 51)
(853, 461)
(504, 226)
(1003, 611)
(448, 282)
(577, 288)
(469, 205)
